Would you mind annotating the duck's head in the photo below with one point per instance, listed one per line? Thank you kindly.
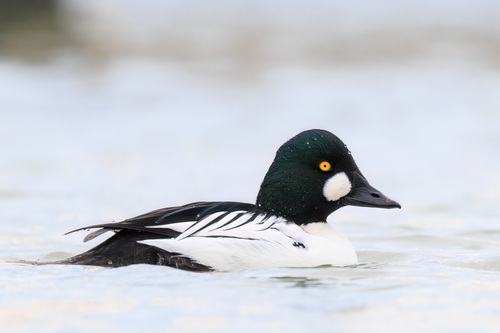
(314, 174)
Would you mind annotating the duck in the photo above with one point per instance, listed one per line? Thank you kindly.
(312, 175)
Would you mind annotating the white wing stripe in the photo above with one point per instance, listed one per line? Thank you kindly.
(236, 224)
(236, 217)
(242, 220)
(228, 219)
(179, 226)
(200, 224)
(245, 226)
(219, 223)
(209, 223)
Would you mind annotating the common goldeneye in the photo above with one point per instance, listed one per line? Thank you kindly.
(312, 175)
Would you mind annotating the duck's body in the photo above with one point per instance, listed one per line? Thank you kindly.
(312, 175)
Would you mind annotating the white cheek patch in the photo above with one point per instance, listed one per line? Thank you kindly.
(337, 187)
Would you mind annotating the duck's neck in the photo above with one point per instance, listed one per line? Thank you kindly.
(301, 209)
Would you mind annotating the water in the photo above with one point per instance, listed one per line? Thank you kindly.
(102, 126)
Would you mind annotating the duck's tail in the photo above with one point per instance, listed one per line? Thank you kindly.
(123, 249)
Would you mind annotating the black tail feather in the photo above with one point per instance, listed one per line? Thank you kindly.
(122, 249)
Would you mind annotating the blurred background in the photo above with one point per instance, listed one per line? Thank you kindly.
(113, 108)
(202, 93)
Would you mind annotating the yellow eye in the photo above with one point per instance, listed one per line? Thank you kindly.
(325, 166)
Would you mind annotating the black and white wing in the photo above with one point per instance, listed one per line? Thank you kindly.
(200, 220)
(172, 221)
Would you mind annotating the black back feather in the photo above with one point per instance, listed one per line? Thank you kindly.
(123, 249)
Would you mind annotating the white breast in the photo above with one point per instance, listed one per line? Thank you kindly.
(260, 243)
